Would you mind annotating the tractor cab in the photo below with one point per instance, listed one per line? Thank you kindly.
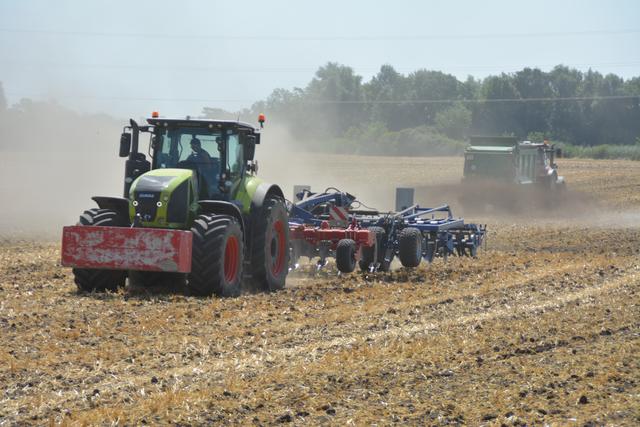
(219, 152)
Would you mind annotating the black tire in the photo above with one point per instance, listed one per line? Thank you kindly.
(372, 254)
(217, 256)
(270, 246)
(473, 251)
(410, 247)
(381, 240)
(150, 279)
(98, 280)
(346, 255)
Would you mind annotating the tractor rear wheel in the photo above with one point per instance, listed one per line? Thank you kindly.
(270, 246)
(410, 247)
(346, 256)
(217, 256)
(98, 280)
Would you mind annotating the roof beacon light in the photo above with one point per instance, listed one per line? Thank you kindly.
(155, 114)
(261, 120)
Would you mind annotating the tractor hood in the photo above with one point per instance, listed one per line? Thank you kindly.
(162, 198)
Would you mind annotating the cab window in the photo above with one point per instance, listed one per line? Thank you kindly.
(235, 156)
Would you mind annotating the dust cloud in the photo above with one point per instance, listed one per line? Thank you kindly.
(283, 160)
(51, 166)
(51, 163)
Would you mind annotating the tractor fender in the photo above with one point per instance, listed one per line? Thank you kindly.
(118, 204)
(263, 192)
(222, 208)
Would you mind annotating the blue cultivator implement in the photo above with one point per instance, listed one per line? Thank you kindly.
(411, 234)
(416, 233)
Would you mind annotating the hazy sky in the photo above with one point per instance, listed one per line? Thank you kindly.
(131, 57)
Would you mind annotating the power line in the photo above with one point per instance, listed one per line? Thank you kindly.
(285, 69)
(355, 102)
(365, 38)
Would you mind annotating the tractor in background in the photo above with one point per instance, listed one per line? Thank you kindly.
(503, 171)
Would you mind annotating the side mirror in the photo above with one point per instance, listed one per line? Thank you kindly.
(125, 144)
(249, 147)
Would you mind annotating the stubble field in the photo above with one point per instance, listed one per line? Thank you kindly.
(542, 328)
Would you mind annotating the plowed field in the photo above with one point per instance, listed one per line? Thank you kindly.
(542, 328)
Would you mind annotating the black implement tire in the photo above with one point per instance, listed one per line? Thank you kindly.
(372, 254)
(381, 237)
(217, 256)
(410, 247)
(270, 246)
(88, 279)
(346, 256)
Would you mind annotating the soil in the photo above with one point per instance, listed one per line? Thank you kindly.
(543, 327)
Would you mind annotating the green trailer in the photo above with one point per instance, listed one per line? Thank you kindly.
(506, 160)
(500, 171)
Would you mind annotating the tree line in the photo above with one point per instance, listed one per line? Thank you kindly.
(564, 104)
(421, 113)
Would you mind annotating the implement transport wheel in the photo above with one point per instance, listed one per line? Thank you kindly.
(217, 256)
(381, 243)
(270, 246)
(473, 250)
(410, 251)
(97, 280)
(346, 256)
(371, 254)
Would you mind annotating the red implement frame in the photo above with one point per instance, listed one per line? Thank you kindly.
(119, 248)
(315, 235)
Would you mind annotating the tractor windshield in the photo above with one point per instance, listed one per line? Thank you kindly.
(178, 146)
(189, 148)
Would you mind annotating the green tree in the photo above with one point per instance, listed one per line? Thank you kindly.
(336, 95)
(431, 86)
(454, 122)
(385, 94)
(534, 115)
(501, 116)
(565, 115)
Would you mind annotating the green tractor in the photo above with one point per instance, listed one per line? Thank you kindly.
(199, 186)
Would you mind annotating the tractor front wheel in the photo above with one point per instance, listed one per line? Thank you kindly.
(98, 280)
(217, 256)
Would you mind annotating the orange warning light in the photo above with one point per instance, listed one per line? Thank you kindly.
(261, 119)
(155, 114)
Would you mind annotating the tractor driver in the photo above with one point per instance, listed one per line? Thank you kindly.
(199, 154)
(207, 167)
